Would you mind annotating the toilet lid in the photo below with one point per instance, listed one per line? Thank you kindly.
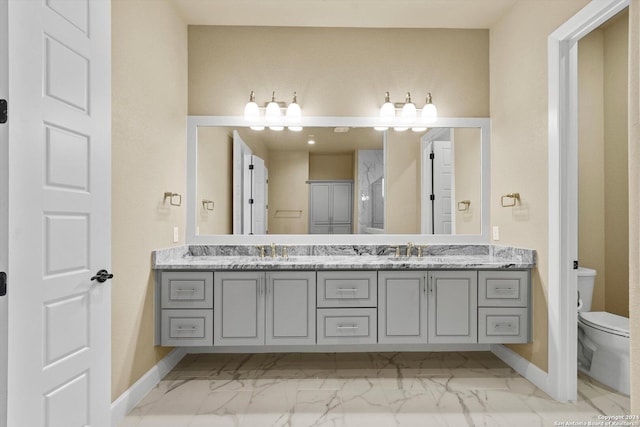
(607, 322)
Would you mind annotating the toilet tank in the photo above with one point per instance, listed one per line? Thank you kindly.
(586, 279)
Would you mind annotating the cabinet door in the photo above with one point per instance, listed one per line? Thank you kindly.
(238, 308)
(320, 207)
(291, 308)
(453, 306)
(402, 307)
(341, 203)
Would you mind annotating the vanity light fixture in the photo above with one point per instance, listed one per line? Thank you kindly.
(273, 114)
(408, 116)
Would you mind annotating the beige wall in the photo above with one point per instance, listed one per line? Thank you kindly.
(402, 204)
(616, 88)
(591, 179)
(519, 141)
(288, 192)
(467, 144)
(215, 172)
(603, 176)
(149, 80)
(338, 71)
(330, 166)
(634, 201)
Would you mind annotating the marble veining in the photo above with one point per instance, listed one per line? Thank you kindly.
(343, 257)
(361, 389)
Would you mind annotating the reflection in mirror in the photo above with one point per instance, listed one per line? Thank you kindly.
(345, 183)
(277, 183)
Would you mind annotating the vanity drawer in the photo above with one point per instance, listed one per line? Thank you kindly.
(503, 325)
(187, 328)
(503, 288)
(187, 289)
(347, 289)
(347, 326)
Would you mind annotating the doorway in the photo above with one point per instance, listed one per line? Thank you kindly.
(563, 192)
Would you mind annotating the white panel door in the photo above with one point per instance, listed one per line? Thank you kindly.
(59, 213)
(291, 308)
(443, 187)
(4, 213)
(241, 185)
(259, 196)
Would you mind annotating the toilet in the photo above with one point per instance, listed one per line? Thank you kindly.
(603, 339)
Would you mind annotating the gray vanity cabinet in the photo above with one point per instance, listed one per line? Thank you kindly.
(453, 306)
(238, 308)
(402, 307)
(291, 308)
(257, 308)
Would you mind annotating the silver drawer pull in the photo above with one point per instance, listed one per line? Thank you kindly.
(346, 289)
(503, 325)
(185, 290)
(193, 328)
(504, 289)
(347, 327)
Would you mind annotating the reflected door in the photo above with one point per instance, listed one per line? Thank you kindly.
(442, 187)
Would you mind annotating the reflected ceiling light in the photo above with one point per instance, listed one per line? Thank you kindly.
(429, 111)
(311, 140)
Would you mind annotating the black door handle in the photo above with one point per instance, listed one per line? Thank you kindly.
(102, 276)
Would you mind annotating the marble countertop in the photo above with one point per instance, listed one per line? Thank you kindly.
(343, 258)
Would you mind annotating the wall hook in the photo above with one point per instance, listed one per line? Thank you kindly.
(464, 205)
(175, 199)
(515, 199)
(207, 205)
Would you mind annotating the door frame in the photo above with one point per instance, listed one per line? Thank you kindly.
(4, 211)
(563, 192)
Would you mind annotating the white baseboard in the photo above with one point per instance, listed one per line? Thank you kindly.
(134, 394)
(531, 372)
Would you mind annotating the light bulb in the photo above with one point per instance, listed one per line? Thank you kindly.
(429, 112)
(409, 112)
(251, 111)
(294, 112)
(273, 113)
(388, 110)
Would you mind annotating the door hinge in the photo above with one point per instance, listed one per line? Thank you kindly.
(575, 265)
(250, 201)
(3, 111)
(250, 167)
(432, 156)
(432, 196)
(3, 283)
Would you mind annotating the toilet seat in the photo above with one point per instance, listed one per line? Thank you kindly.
(605, 322)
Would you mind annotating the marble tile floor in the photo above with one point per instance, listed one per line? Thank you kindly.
(361, 389)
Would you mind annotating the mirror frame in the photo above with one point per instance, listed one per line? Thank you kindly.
(191, 238)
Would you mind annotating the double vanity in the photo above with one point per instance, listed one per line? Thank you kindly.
(342, 298)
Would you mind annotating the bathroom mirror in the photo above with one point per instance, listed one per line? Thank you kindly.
(246, 185)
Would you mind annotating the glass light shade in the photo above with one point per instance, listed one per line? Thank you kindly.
(429, 113)
(276, 128)
(400, 128)
(380, 128)
(294, 112)
(409, 113)
(251, 112)
(418, 129)
(295, 128)
(272, 113)
(388, 110)
(256, 127)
